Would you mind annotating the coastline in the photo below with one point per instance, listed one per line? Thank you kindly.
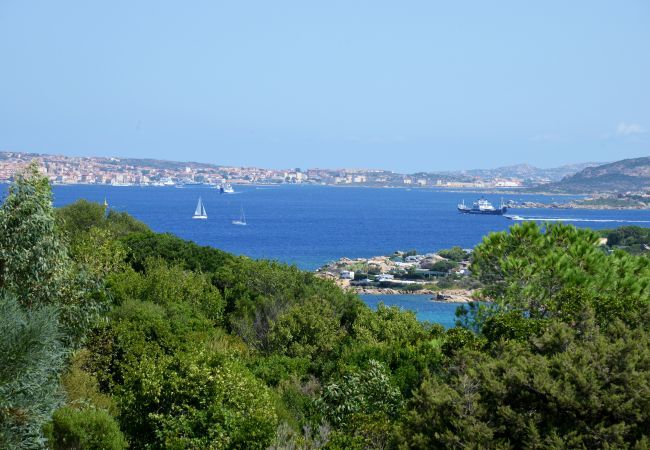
(579, 206)
(442, 296)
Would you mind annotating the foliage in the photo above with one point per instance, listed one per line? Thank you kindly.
(142, 246)
(630, 238)
(561, 390)
(388, 324)
(453, 281)
(288, 438)
(310, 329)
(295, 402)
(443, 266)
(81, 387)
(259, 292)
(79, 217)
(512, 325)
(363, 391)
(121, 224)
(193, 400)
(457, 339)
(170, 286)
(34, 262)
(544, 272)
(32, 258)
(98, 253)
(275, 368)
(32, 356)
(197, 348)
(86, 429)
(455, 254)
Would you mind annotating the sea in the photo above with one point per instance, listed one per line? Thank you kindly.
(308, 225)
(424, 308)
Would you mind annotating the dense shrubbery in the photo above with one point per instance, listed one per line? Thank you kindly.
(115, 336)
(632, 239)
(91, 429)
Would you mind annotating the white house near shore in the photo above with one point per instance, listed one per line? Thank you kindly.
(347, 275)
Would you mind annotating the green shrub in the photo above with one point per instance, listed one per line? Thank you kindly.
(275, 368)
(455, 254)
(364, 391)
(193, 400)
(86, 429)
(443, 266)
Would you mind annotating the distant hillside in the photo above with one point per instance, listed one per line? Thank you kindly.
(620, 176)
(531, 173)
(116, 161)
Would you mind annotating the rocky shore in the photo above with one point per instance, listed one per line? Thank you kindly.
(594, 203)
(449, 296)
(444, 276)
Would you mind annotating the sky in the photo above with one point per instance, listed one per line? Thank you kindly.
(399, 85)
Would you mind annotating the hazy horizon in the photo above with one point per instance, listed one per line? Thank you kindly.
(407, 87)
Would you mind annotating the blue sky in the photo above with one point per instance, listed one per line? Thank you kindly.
(401, 85)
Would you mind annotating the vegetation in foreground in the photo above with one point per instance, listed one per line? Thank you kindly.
(115, 337)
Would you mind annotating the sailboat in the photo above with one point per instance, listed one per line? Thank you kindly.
(242, 218)
(200, 213)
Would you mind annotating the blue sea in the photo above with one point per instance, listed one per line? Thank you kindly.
(311, 225)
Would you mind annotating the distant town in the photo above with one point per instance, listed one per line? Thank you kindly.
(151, 172)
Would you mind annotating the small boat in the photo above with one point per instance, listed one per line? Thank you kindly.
(226, 189)
(482, 206)
(200, 212)
(242, 218)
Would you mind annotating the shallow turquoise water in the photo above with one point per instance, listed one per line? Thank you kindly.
(425, 309)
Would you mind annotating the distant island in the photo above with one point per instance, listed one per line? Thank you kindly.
(630, 200)
(627, 175)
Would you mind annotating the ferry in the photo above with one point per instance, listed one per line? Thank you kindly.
(226, 189)
(482, 206)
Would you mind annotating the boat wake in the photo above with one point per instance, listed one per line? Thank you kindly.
(573, 219)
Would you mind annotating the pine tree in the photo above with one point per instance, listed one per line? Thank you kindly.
(32, 356)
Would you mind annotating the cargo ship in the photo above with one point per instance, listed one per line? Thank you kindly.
(482, 206)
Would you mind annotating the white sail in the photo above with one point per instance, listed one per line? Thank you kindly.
(199, 212)
(242, 218)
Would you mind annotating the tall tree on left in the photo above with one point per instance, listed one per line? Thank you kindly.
(45, 308)
(34, 263)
